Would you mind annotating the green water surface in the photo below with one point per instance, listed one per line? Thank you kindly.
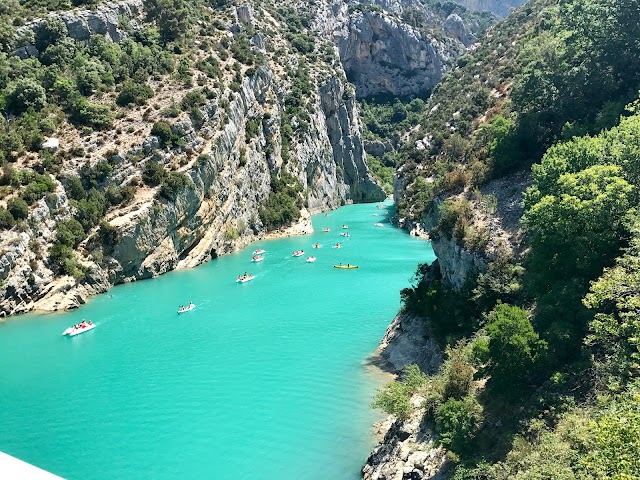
(265, 380)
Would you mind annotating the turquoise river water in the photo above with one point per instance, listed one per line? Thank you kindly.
(263, 380)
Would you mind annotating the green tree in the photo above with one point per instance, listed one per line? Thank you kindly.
(457, 422)
(24, 94)
(171, 16)
(51, 31)
(615, 330)
(576, 228)
(514, 347)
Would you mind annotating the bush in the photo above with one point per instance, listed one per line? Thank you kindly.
(134, 93)
(514, 347)
(457, 422)
(6, 219)
(163, 131)
(26, 93)
(18, 208)
(90, 114)
(193, 99)
(173, 184)
(37, 188)
(69, 232)
(153, 173)
(51, 31)
(395, 398)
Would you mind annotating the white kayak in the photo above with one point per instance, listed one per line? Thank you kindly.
(245, 279)
(187, 308)
(311, 259)
(73, 331)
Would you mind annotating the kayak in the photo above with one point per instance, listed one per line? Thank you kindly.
(345, 226)
(311, 259)
(345, 235)
(245, 279)
(187, 308)
(316, 245)
(345, 267)
(337, 246)
(259, 251)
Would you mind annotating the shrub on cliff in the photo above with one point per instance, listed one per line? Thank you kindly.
(134, 93)
(69, 232)
(90, 114)
(513, 350)
(18, 208)
(173, 184)
(164, 132)
(457, 422)
(395, 398)
(26, 93)
(153, 173)
(6, 219)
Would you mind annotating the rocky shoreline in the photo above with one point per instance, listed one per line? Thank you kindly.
(65, 294)
(408, 448)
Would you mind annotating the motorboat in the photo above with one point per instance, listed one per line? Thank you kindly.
(244, 278)
(345, 226)
(345, 234)
(379, 224)
(311, 259)
(297, 253)
(345, 267)
(257, 258)
(82, 327)
(325, 230)
(188, 308)
(259, 251)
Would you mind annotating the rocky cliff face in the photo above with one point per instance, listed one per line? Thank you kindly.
(106, 20)
(229, 178)
(500, 8)
(383, 55)
(408, 448)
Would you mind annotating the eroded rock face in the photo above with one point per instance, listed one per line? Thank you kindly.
(408, 448)
(82, 23)
(500, 8)
(384, 56)
(227, 186)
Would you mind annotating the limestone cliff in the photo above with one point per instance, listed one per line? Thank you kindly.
(382, 54)
(106, 20)
(502, 8)
(228, 166)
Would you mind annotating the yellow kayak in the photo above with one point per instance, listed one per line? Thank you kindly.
(345, 266)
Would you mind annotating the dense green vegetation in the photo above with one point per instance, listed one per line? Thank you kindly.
(386, 121)
(284, 202)
(551, 337)
(529, 84)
